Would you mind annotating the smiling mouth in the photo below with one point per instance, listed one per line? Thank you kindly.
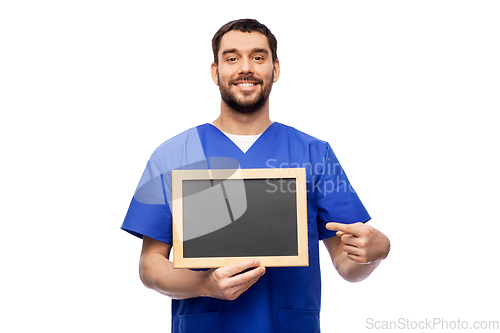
(245, 84)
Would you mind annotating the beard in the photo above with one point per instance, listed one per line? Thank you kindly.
(244, 105)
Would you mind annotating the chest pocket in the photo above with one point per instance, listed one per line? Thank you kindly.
(295, 321)
(196, 323)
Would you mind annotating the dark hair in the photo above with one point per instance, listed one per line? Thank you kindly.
(244, 25)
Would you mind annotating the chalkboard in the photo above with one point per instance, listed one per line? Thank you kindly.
(226, 216)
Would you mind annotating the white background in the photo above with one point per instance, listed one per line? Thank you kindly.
(405, 92)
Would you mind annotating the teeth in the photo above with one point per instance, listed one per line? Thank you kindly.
(245, 84)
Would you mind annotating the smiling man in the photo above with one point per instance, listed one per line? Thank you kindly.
(246, 297)
(246, 72)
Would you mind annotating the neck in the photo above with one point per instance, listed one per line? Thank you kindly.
(233, 122)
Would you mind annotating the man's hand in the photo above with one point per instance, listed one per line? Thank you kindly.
(363, 243)
(227, 283)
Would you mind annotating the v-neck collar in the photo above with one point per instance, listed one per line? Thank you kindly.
(259, 139)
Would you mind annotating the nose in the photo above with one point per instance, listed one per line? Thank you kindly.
(246, 66)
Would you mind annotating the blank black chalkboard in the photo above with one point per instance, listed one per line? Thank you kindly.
(226, 216)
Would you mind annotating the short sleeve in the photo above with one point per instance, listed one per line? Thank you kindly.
(149, 213)
(337, 201)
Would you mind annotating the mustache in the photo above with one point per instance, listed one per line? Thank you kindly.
(246, 78)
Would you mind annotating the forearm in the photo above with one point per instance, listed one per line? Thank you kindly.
(158, 273)
(356, 257)
(352, 271)
(228, 282)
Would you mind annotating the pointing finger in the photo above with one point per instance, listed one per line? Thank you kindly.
(352, 229)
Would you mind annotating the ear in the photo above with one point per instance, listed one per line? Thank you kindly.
(276, 70)
(214, 73)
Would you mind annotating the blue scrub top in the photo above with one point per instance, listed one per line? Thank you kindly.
(284, 299)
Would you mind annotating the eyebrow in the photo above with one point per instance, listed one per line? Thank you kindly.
(255, 50)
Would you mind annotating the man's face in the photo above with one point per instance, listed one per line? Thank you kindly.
(246, 72)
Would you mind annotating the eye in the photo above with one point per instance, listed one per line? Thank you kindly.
(258, 58)
(232, 59)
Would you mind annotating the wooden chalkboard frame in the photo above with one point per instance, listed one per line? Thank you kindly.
(295, 174)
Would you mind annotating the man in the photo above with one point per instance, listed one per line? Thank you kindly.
(246, 297)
